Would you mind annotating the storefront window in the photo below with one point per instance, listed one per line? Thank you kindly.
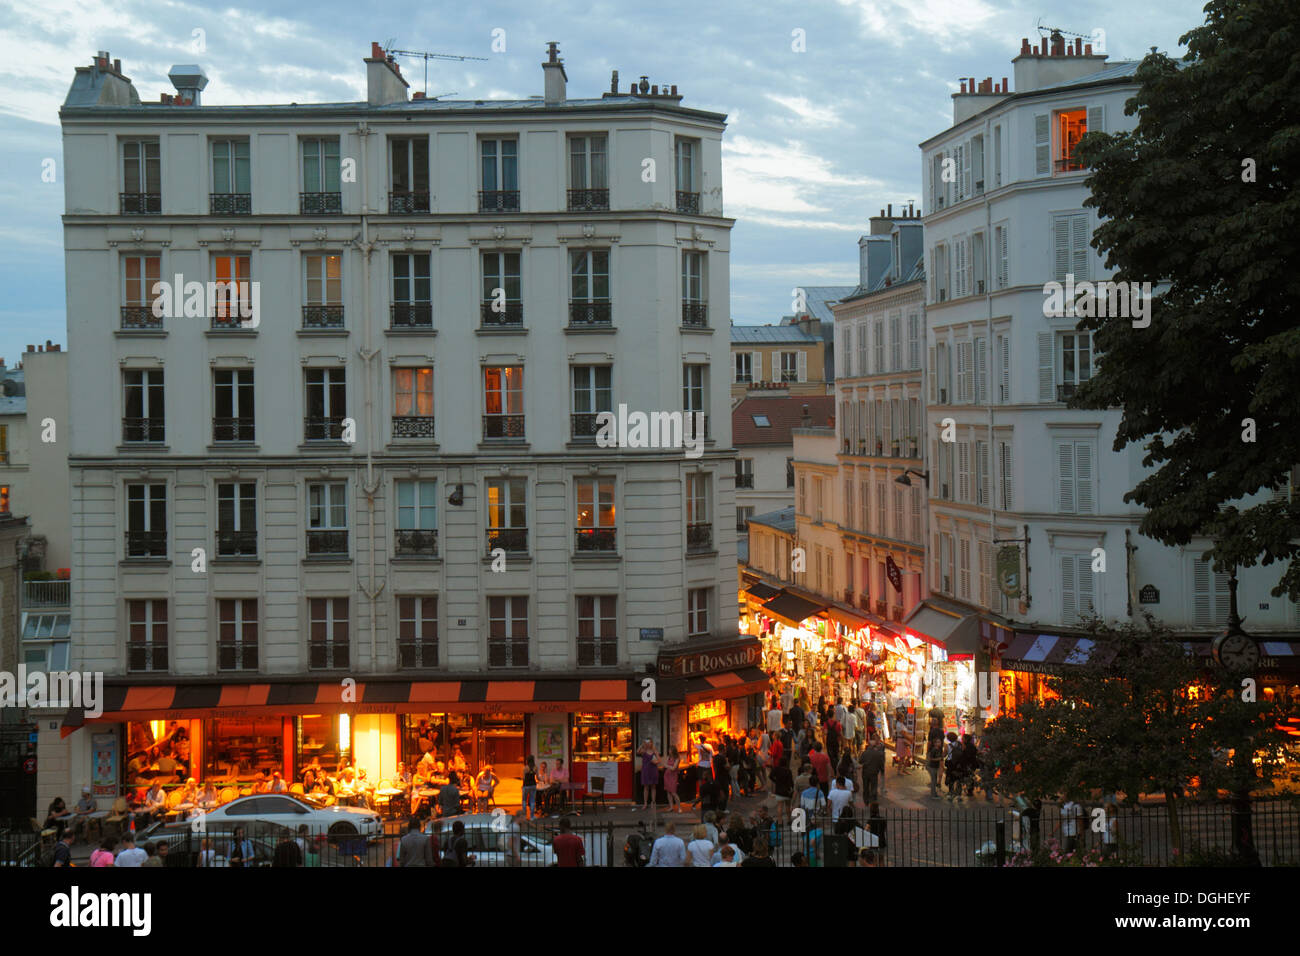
(326, 738)
(502, 743)
(157, 749)
(449, 737)
(709, 717)
(242, 749)
(602, 737)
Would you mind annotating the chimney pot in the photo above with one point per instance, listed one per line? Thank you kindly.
(889, 210)
(613, 81)
(963, 86)
(1004, 84)
(674, 89)
(1087, 49)
(376, 51)
(1024, 46)
(654, 90)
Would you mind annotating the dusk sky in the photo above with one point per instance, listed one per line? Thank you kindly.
(817, 141)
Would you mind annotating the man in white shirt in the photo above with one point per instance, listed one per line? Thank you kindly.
(774, 716)
(840, 796)
(737, 855)
(850, 724)
(840, 710)
(1071, 814)
(668, 850)
(130, 855)
(787, 698)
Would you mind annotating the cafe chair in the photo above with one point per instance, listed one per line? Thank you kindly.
(383, 800)
(296, 788)
(595, 791)
(116, 815)
(226, 795)
(47, 833)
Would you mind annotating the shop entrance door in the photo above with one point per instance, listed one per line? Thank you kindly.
(501, 744)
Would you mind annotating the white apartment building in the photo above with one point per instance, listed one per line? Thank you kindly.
(391, 472)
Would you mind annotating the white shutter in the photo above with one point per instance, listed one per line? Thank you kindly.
(981, 372)
(936, 583)
(756, 366)
(1087, 603)
(1069, 594)
(1007, 477)
(1061, 248)
(959, 262)
(1096, 119)
(1002, 257)
(997, 155)
(934, 392)
(916, 513)
(1065, 477)
(982, 481)
(934, 465)
(1220, 598)
(1042, 145)
(986, 574)
(886, 426)
(963, 574)
(977, 164)
(934, 274)
(914, 341)
(1004, 369)
(963, 471)
(1045, 367)
(1083, 478)
(1080, 252)
(1202, 611)
(803, 366)
(968, 392)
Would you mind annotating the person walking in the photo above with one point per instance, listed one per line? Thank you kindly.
(530, 787)
(701, 847)
(704, 750)
(1071, 815)
(569, 849)
(671, 764)
(934, 761)
(668, 850)
(873, 770)
(822, 765)
(649, 773)
(414, 848)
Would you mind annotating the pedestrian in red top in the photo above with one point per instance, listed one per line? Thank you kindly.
(822, 764)
(568, 846)
(777, 753)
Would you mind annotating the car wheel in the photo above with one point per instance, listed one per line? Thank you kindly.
(341, 832)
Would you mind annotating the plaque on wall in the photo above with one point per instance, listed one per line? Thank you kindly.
(1148, 594)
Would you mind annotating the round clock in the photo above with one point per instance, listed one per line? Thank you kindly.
(1236, 652)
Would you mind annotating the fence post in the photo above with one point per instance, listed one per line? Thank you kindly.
(1000, 835)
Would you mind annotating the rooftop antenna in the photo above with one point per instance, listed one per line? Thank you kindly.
(433, 56)
(1057, 31)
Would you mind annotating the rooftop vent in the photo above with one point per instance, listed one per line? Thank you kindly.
(190, 81)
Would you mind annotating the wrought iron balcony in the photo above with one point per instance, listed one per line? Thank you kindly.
(237, 655)
(1068, 164)
(144, 430)
(594, 652)
(498, 200)
(230, 204)
(320, 204)
(323, 428)
(511, 315)
(590, 314)
(231, 544)
(412, 426)
(408, 542)
(864, 602)
(508, 652)
(411, 315)
(699, 537)
(141, 657)
(896, 614)
(881, 608)
(417, 655)
(228, 318)
(225, 428)
(327, 542)
(688, 202)
(509, 427)
(141, 204)
(146, 544)
(322, 316)
(1066, 392)
(745, 480)
(695, 315)
(589, 540)
(405, 202)
(848, 596)
(512, 540)
(584, 426)
(140, 317)
(328, 655)
(588, 200)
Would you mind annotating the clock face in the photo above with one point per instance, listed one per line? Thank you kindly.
(1238, 652)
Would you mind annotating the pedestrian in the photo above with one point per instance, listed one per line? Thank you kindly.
(1110, 835)
(876, 827)
(774, 716)
(952, 767)
(241, 849)
(726, 856)
(734, 749)
(840, 797)
(104, 855)
(812, 799)
(456, 852)
(970, 763)
(668, 850)
(850, 724)
(762, 855)
(150, 855)
(649, 773)
(671, 763)
(795, 713)
(934, 762)
(704, 751)
(782, 788)
(414, 848)
(568, 847)
(530, 786)
(63, 849)
(721, 779)
(701, 847)
(82, 811)
(822, 765)
(287, 852)
(711, 827)
(130, 854)
(873, 770)
(1071, 814)
(763, 758)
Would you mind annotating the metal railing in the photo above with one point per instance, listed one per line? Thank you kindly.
(1065, 392)
(412, 426)
(320, 204)
(688, 202)
(18, 848)
(146, 544)
(511, 540)
(47, 593)
(588, 200)
(237, 655)
(236, 544)
(152, 429)
(411, 315)
(584, 426)
(141, 204)
(328, 655)
(508, 652)
(509, 317)
(137, 318)
(503, 426)
(415, 542)
(322, 427)
(588, 540)
(322, 316)
(745, 480)
(327, 542)
(498, 200)
(237, 428)
(695, 315)
(597, 652)
(417, 654)
(590, 314)
(230, 204)
(406, 202)
(699, 538)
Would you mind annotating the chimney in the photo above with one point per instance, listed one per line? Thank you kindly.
(384, 83)
(1054, 61)
(554, 76)
(613, 82)
(102, 84)
(190, 81)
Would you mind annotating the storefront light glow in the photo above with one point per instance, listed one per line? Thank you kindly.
(345, 727)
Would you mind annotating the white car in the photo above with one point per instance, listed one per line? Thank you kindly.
(489, 837)
(292, 811)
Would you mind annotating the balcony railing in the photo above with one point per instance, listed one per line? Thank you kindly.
(142, 657)
(47, 593)
(141, 204)
(417, 654)
(1068, 164)
(322, 316)
(411, 315)
(327, 542)
(237, 655)
(848, 596)
(511, 540)
(144, 429)
(1066, 392)
(236, 544)
(589, 540)
(231, 320)
(695, 315)
(597, 652)
(140, 317)
(412, 426)
(510, 427)
(745, 480)
(699, 537)
(230, 204)
(588, 200)
(241, 428)
(406, 202)
(323, 428)
(511, 316)
(584, 426)
(688, 202)
(498, 200)
(508, 652)
(864, 602)
(896, 614)
(320, 204)
(329, 655)
(881, 608)
(593, 314)
(146, 544)
(411, 542)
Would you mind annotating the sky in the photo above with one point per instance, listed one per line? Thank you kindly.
(818, 139)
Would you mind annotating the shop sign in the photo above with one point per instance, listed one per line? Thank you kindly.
(1148, 594)
(698, 663)
(1009, 570)
(104, 778)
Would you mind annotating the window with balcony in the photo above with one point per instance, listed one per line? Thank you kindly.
(321, 191)
(408, 160)
(1070, 127)
(139, 274)
(744, 367)
(141, 178)
(695, 310)
(412, 306)
(232, 191)
(329, 631)
(237, 634)
(594, 508)
(790, 365)
(978, 265)
(233, 418)
(146, 636)
(413, 403)
(503, 403)
(588, 173)
(417, 519)
(744, 473)
(694, 392)
(508, 631)
(699, 510)
(144, 419)
(597, 630)
(327, 404)
(589, 301)
(697, 611)
(327, 519)
(940, 282)
(146, 521)
(503, 297)
(592, 394)
(686, 155)
(234, 289)
(507, 515)
(322, 291)
(237, 519)
(417, 632)
(499, 162)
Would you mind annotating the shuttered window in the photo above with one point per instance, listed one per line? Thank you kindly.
(1000, 238)
(1078, 599)
(1004, 470)
(1071, 253)
(1074, 477)
(1209, 595)
(963, 569)
(963, 471)
(1042, 145)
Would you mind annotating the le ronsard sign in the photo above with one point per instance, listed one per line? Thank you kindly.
(728, 657)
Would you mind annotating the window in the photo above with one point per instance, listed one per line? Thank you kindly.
(589, 301)
(322, 291)
(862, 348)
(997, 155)
(961, 268)
(745, 367)
(981, 395)
(321, 193)
(413, 403)
(144, 420)
(4, 445)
(917, 491)
(1070, 236)
(146, 521)
(686, 165)
(977, 164)
(1074, 477)
(234, 290)
(1002, 360)
(790, 366)
(412, 305)
(327, 406)
(503, 402)
(693, 393)
(1005, 472)
(417, 632)
(744, 473)
(499, 161)
(588, 173)
(594, 511)
(508, 631)
(882, 512)
(327, 518)
(507, 515)
(938, 188)
(1078, 600)
(502, 303)
(231, 182)
(141, 178)
(743, 514)
(1000, 239)
(233, 406)
(417, 518)
(694, 309)
(982, 489)
(977, 264)
(1075, 363)
(409, 168)
(963, 471)
(944, 573)
(1210, 594)
(789, 472)
(146, 636)
(237, 634)
(697, 612)
(237, 519)
(818, 511)
(1042, 145)
(914, 337)
(699, 526)
(963, 565)
(965, 382)
(1070, 127)
(597, 631)
(592, 394)
(328, 649)
(139, 274)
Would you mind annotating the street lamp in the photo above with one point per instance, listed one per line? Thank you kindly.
(1237, 652)
(906, 482)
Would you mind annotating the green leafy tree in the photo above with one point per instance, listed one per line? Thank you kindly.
(1200, 200)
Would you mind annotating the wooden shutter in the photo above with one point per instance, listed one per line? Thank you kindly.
(986, 574)
(1096, 119)
(1007, 477)
(1065, 502)
(1080, 252)
(937, 583)
(982, 464)
(977, 164)
(963, 471)
(1069, 592)
(1061, 248)
(1201, 608)
(916, 513)
(963, 565)
(964, 152)
(756, 366)
(1042, 145)
(1004, 369)
(803, 367)
(959, 262)
(1045, 367)
(1085, 579)
(981, 372)
(934, 391)
(1002, 257)
(1083, 498)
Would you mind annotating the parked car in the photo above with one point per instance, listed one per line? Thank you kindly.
(185, 841)
(292, 811)
(490, 836)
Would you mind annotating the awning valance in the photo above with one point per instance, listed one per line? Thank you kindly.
(956, 632)
(762, 592)
(792, 609)
(727, 685)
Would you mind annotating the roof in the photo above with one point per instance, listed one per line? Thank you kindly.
(1120, 70)
(820, 297)
(16, 405)
(782, 520)
(784, 413)
(772, 334)
(915, 274)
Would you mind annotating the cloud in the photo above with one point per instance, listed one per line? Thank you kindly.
(806, 111)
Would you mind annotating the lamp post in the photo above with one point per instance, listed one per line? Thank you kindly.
(1235, 650)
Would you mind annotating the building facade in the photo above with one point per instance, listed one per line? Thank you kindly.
(780, 359)
(762, 432)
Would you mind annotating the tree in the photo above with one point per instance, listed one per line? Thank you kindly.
(1139, 716)
(1181, 209)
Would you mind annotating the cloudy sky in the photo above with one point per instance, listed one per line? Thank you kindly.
(817, 140)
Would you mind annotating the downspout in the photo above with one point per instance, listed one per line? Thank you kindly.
(990, 364)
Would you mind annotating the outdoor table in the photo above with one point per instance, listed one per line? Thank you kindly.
(567, 790)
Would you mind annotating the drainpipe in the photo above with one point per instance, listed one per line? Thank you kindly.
(990, 363)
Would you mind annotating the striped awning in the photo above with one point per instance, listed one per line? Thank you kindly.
(1047, 653)
(474, 696)
(728, 684)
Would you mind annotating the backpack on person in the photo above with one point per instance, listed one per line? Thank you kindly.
(47, 857)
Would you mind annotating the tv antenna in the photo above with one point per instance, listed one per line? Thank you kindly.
(433, 56)
(1057, 31)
